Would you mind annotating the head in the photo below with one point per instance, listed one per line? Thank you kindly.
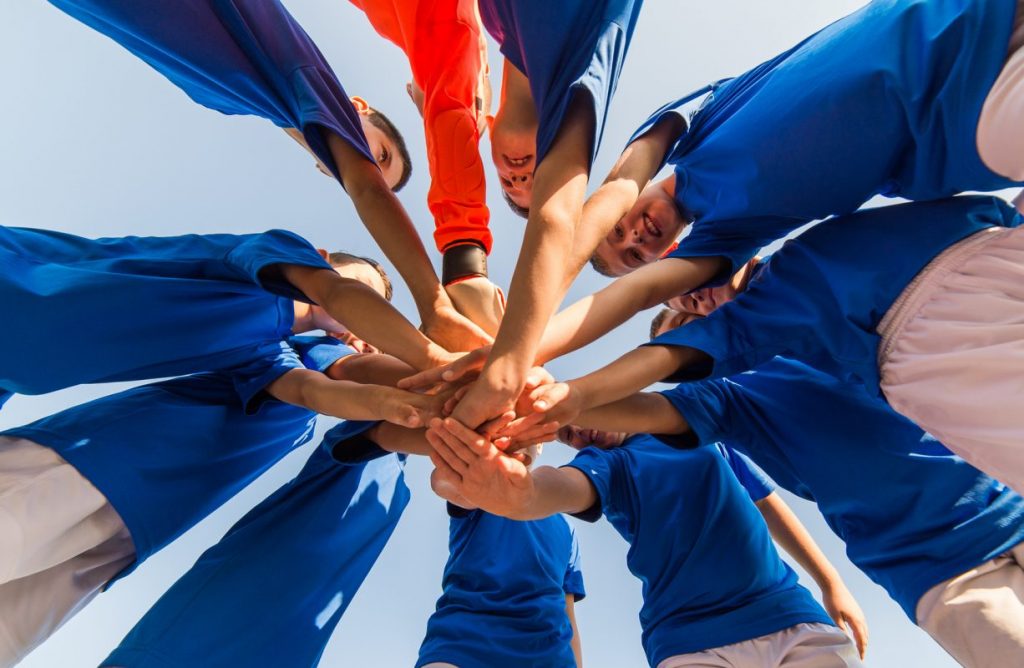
(513, 149)
(644, 234)
(705, 300)
(669, 319)
(386, 144)
(356, 268)
(578, 438)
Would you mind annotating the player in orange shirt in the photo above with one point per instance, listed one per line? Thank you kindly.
(447, 52)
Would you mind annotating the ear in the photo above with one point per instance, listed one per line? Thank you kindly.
(323, 253)
(361, 105)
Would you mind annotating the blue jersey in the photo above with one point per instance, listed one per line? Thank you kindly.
(168, 454)
(505, 586)
(820, 298)
(911, 513)
(885, 101)
(235, 56)
(711, 575)
(563, 48)
(272, 591)
(145, 307)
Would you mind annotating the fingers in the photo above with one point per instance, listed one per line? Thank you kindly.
(520, 426)
(860, 634)
(422, 380)
(496, 426)
(445, 452)
(546, 397)
(477, 444)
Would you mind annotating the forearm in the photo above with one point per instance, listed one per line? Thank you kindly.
(631, 373)
(594, 316)
(555, 490)
(640, 413)
(320, 394)
(793, 537)
(393, 438)
(389, 225)
(371, 318)
(374, 368)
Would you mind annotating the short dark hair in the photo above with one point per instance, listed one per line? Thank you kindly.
(658, 321)
(338, 258)
(601, 267)
(521, 211)
(384, 124)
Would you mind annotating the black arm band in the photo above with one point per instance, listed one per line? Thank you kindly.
(463, 261)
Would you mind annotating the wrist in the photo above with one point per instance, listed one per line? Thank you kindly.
(462, 261)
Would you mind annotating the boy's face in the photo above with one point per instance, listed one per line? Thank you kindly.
(382, 147)
(705, 300)
(645, 233)
(514, 154)
(675, 319)
(577, 438)
(364, 273)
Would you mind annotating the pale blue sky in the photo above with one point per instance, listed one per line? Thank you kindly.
(96, 143)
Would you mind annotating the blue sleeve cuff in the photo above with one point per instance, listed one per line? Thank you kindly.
(589, 462)
(754, 480)
(319, 353)
(349, 444)
(704, 412)
(253, 258)
(272, 361)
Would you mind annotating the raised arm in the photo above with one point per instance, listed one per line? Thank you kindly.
(390, 226)
(640, 413)
(793, 537)
(542, 275)
(489, 479)
(367, 315)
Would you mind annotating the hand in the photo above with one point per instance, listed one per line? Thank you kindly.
(844, 611)
(553, 405)
(483, 402)
(406, 409)
(479, 300)
(453, 331)
(471, 468)
(448, 373)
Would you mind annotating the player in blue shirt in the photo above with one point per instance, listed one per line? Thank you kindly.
(562, 62)
(272, 591)
(921, 303)
(252, 57)
(713, 584)
(152, 307)
(89, 493)
(816, 131)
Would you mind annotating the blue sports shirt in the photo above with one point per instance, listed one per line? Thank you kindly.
(820, 298)
(885, 101)
(246, 57)
(564, 47)
(505, 586)
(166, 455)
(272, 591)
(136, 308)
(911, 513)
(711, 575)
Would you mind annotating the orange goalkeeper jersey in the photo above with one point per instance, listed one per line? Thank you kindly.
(447, 52)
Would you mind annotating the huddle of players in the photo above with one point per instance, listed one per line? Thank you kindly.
(824, 365)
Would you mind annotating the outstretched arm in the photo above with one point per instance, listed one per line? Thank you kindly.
(577, 644)
(542, 275)
(353, 401)
(640, 413)
(367, 315)
(482, 474)
(390, 226)
(793, 537)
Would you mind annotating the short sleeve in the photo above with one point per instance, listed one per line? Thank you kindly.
(708, 408)
(269, 362)
(779, 314)
(251, 259)
(737, 240)
(603, 468)
(754, 480)
(573, 582)
(679, 108)
(349, 444)
(319, 353)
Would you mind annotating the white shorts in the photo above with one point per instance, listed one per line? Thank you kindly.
(800, 646)
(978, 616)
(952, 352)
(60, 542)
(1000, 140)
